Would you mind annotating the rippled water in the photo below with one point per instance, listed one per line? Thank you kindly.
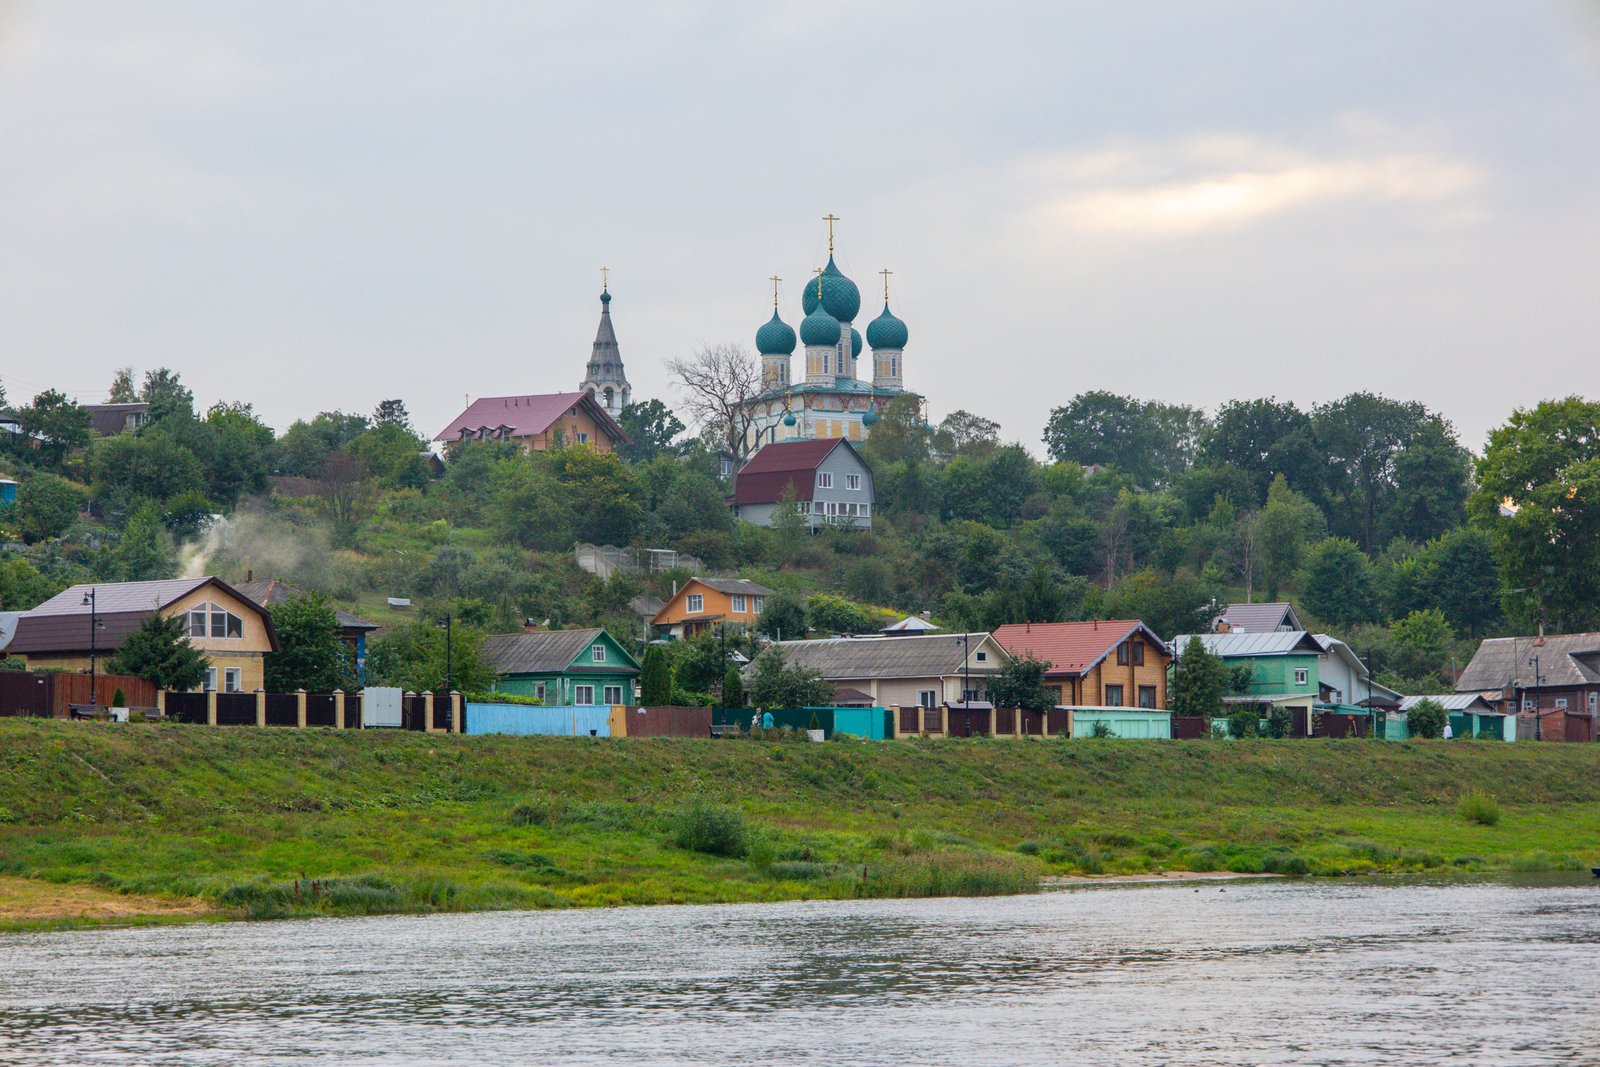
(1242, 973)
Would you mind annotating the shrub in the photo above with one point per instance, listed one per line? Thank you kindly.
(1426, 719)
(1278, 721)
(1244, 723)
(118, 700)
(1101, 728)
(717, 831)
(1479, 807)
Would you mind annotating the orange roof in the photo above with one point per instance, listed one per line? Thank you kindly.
(1070, 647)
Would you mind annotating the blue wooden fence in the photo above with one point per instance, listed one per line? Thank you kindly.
(582, 721)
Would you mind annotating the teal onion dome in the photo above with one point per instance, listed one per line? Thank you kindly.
(886, 331)
(819, 328)
(775, 338)
(870, 418)
(789, 419)
(856, 347)
(605, 296)
(839, 297)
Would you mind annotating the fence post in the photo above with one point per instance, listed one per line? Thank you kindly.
(427, 712)
(300, 708)
(261, 707)
(161, 703)
(455, 712)
(211, 707)
(944, 719)
(338, 709)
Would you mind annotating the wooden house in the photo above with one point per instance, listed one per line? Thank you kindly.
(701, 603)
(577, 667)
(1100, 663)
(537, 422)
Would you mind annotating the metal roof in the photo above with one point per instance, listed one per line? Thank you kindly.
(734, 586)
(1260, 618)
(784, 463)
(270, 591)
(1564, 660)
(529, 414)
(8, 626)
(1072, 648)
(61, 624)
(921, 656)
(550, 652)
(1272, 643)
(1451, 702)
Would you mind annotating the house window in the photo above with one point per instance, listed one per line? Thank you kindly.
(1122, 654)
(824, 480)
(981, 657)
(1561, 703)
(211, 678)
(1301, 675)
(583, 694)
(928, 698)
(852, 481)
(1594, 703)
(538, 690)
(209, 619)
(1147, 696)
(1138, 653)
(866, 511)
(613, 694)
(1114, 696)
(695, 603)
(969, 695)
(232, 680)
(738, 604)
(598, 653)
(583, 438)
(1529, 703)
(758, 604)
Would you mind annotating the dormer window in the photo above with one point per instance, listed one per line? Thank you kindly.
(218, 623)
(598, 653)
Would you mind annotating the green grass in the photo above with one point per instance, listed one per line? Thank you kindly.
(285, 822)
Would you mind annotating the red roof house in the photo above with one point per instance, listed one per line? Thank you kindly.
(832, 483)
(1098, 663)
(538, 422)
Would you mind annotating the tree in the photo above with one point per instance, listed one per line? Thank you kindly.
(343, 496)
(717, 383)
(392, 453)
(166, 395)
(1431, 476)
(122, 390)
(528, 506)
(653, 429)
(416, 657)
(1020, 684)
(1264, 438)
(901, 434)
(22, 586)
(784, 616)
(1420, 644)
(655, 677)
(602, 493)
(1148, 440)
(304, 448)
(1284, 528)
(1463, 580)
(57, 423)
(1538, 498)
(1361, 436)
(125, 469)
(1336, 583)
(775, 684)
(732, 687)
(312, 653)
(159, 652)
(392, 413)
(962, 433)
(46, 506)
(144, 552)
(1426, 719)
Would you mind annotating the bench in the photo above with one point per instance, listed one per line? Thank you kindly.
(726, 729)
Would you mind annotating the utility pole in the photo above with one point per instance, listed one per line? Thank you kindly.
(94, 646)
(1538, 717)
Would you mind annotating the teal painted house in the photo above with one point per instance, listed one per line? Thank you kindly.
(563, 667)
(1285, 665)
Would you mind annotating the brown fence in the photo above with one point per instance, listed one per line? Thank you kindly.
(1057, 721)
(1189, 727)
(668, 722)
(1032, 723)
(283, 709)
(1005, 721)
(1332, 724)
(187, 707)
(51, 694)
(1579, 727)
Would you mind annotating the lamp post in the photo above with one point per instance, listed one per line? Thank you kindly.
(90, 599)
(1538, 718)
(448, 688)
(966, 669)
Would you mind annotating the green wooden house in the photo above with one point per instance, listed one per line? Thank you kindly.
(563, 667)
(1285, 668)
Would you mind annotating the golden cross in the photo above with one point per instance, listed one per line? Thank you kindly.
(830, 218)
(886, 272)
(818, 272)
(604, 280)
(775, 281)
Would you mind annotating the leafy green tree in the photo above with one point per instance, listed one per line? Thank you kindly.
(990, 490)
(529, 507)
(392, 413)
(1362, 436)
(312, 652)
(305, 447)
(962, 433)
(1539, 499)
(22, 586)
(1431, 482)
(698, 664)
(58, 424)
(602, 493)
(1420, 644)
(784, 616)
(653, 429)
(236, 450)
(1463, 580)
(393, 454)
(1199, 681)
(829, 614)
(1336, 583)
(1265, 438)
(732, 687)
(655, 677)
(776, 684)
(901, 434)
(125, 469)
(415, 657)
(167, 396)
(46, 507)
(1426, 719)
(1148, 440)
(159, 652)
(1284, 528)
(144, 551)
(122, 390)
(1020, 684)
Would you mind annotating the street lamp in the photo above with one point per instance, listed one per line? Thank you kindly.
(1538, 719)
(448, 688)
(966, 669)
(90, 599)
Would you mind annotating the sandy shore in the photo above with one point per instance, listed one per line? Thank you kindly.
(26, 900)
(1150, 879)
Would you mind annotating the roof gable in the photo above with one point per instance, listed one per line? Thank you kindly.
(919, 656)
(528, 415)
(1072, 647)
(62, 623)
(1258, 618)
(730, 586)
(1564, 659)
(1272, 643)
(554, 652)
(763, 479)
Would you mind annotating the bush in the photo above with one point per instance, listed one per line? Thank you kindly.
(717, 831)
(1101, 728)
(118, 700)
(1244, 723)
(1278, 721)
(1426, 719)
(1479, 807)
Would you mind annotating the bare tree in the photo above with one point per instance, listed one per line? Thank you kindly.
(717, 383)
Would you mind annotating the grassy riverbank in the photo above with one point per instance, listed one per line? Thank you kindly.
(243, 822)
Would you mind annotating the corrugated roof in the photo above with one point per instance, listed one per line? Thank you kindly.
(1257, 618)
(735, 586)
(119, 596)
(548, 652)
(1564, 659)
(270, 591)
(1071, 648)
(923, 656)
(528, 414)
(1450, 702)
(61, 624)
(771, 470)
(1273, 643)
(8, 626)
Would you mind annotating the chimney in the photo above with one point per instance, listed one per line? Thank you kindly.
(529, 626)
(1097, 624)
(250, 575)
(1027, 627)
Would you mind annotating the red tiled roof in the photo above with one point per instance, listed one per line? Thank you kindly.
(763, 479)
(524, 416)
(1069, 647)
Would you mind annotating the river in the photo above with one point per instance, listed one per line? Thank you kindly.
(1491, 971)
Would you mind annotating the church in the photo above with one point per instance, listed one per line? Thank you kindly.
(605, 377)
(832, 399)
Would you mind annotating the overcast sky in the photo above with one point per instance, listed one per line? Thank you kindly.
(312, 206)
